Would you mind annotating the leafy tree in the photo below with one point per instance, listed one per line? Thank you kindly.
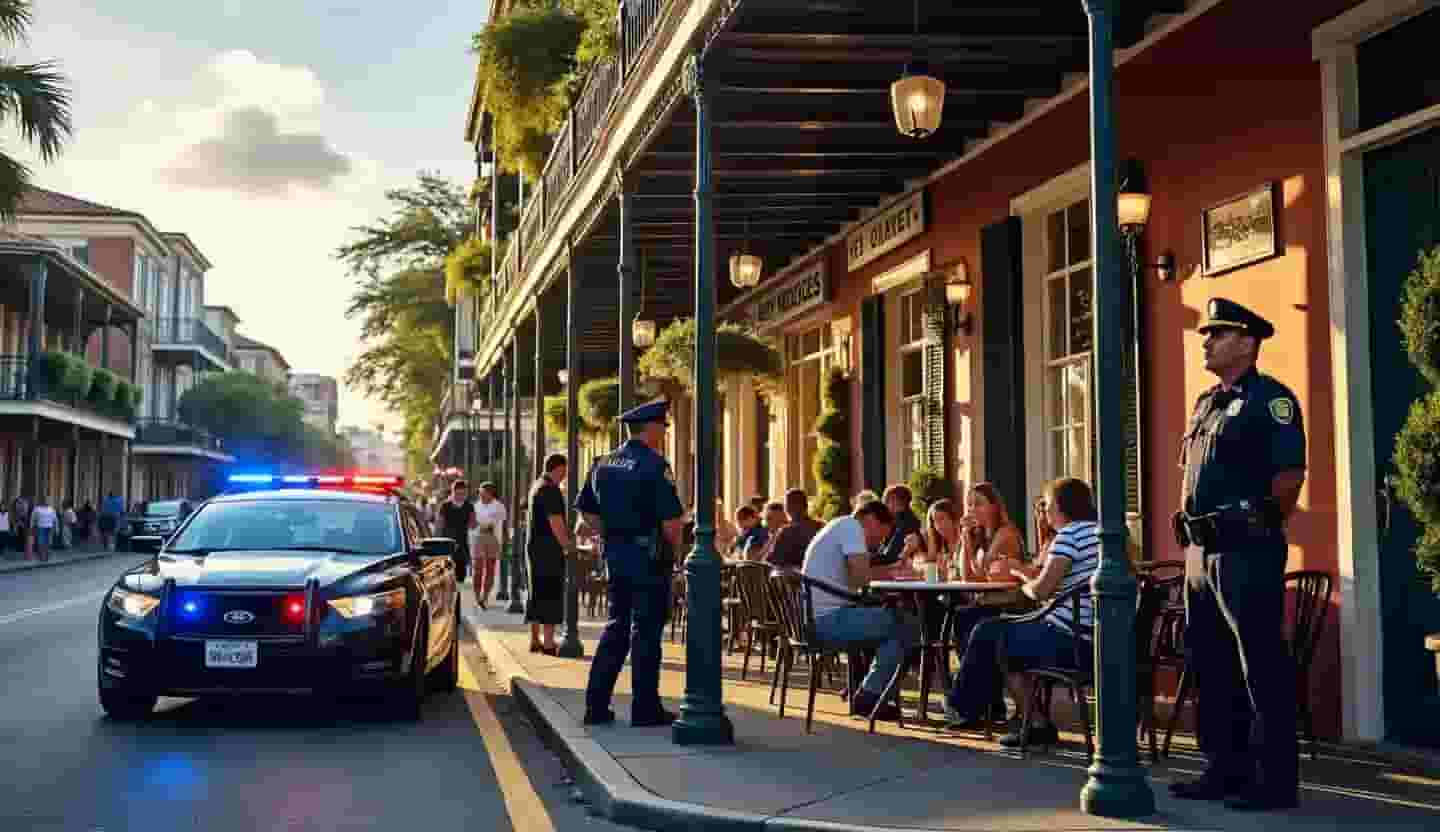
(258, 422)
(34, 99)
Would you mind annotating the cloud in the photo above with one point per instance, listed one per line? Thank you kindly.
(253, 156)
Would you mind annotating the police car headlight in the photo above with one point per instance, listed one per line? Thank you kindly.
(359, 606)
(131, 604)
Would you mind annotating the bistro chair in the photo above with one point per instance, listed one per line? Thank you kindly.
(677, 606)
(1311, 605)
(752, 584)
(791, 595)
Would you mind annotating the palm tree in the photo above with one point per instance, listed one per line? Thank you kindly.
(35, 99)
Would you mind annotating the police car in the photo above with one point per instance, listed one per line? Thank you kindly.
(294, 584)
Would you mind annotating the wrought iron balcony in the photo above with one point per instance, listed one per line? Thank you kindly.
(187, 333)
(19, 382)
(170, 432)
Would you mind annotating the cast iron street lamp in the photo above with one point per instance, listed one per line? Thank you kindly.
(1117, 785)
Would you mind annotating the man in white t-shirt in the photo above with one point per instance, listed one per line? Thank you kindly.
(839, 556)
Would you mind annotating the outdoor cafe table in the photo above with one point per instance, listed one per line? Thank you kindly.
(946, 594)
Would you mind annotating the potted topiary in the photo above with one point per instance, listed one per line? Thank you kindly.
(832, 456)
(1417, 447)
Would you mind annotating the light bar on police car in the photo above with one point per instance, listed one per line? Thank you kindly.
(301, 480)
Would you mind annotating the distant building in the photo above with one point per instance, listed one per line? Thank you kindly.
(261, 359)
(321, 397)
(373, 452)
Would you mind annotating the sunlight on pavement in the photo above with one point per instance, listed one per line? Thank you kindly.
(523, 804)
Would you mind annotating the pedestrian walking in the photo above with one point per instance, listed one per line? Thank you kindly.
(5, 536)
(86, 526)
(629, 500)
(20, 524)
(44, 519)
(1244, 462)
(545, 550)
(456, 518)
(112, 508)
(489, 534)
(68, 522)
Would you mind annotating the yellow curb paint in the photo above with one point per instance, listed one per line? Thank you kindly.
(522, 803)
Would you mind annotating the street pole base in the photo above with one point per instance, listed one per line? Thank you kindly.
(702, 729)
(1109, 796)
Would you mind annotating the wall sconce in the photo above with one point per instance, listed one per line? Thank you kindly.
(958, 291)
(844, 358)
(1132, 210)
(564, 376)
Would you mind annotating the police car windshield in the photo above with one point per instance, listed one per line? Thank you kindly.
(349, 527)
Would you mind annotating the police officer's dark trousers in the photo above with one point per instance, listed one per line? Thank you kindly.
(638, 608)
(1244, 671)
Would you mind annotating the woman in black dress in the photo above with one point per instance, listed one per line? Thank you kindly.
(545, 550)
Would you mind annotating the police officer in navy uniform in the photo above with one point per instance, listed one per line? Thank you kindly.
(1244, 464)
(629, 500)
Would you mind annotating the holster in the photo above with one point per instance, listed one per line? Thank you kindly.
(1229, 527)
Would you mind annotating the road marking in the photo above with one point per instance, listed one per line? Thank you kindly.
(522, 803)
(55, 607)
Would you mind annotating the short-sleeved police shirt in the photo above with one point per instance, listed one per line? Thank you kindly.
(631, 491)
(1238, 440)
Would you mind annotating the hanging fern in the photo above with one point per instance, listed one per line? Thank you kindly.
(467, 269)
(739, 353)
(600, 403)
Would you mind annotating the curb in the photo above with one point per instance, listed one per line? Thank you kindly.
(33, 565)
(614, 793)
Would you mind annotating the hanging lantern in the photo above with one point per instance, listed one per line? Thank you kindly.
(918, 100)
(745, 270)
(643, 332)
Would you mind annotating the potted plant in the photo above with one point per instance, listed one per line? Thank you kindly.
(102, 387)
(1417, 447)
(832, 456)
(927, 484)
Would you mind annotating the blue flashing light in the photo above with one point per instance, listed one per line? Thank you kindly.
(252, 477)
(297, 479)
(191, 608)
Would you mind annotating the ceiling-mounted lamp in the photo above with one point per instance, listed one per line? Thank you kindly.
(917, 98)
(745, 268)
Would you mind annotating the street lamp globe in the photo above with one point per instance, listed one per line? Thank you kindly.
(643, 332)
(745, 270)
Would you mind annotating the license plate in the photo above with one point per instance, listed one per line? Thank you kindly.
(233, 654)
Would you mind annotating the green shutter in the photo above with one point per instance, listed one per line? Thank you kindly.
(1003, 351)
(1134, 409)
(872, 390)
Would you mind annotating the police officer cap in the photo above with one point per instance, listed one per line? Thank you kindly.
(1227, 314)
(655, 411)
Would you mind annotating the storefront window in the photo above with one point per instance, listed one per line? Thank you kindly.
(912, 382)
(1069, 332)
(809, 355)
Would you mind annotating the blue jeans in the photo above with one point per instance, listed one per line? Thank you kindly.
(866, 627)
(1027, 645)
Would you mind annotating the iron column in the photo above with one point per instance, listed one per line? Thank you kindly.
(502, 593)
(517, 499)
(702, 713)
(571, 647)
(1117, 786)
(626, 270)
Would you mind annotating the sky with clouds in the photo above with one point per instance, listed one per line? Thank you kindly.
(265, 130)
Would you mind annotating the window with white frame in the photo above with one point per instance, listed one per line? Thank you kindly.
(1069, 332)
(810, 355)
(910, 346)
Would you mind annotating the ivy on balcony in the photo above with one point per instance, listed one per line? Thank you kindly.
(468, 269)
(531, 65)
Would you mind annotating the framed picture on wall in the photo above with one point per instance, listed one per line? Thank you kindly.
(1241, 230)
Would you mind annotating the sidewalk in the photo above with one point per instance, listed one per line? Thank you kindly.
(840, 778)
(15, 561)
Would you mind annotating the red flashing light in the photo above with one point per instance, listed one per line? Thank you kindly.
(292, 608)
(371, 479)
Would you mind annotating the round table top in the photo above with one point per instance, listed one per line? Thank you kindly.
(944, 586)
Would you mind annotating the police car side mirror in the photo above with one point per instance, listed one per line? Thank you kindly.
(436, 547)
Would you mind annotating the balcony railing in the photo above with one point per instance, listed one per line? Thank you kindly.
(636, 21)
(168, 432)
(16, 384)
(190, 332)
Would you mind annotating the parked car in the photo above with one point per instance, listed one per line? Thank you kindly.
(156, 517)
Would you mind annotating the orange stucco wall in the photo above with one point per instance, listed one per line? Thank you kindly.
(113, 258)
(1226, 104)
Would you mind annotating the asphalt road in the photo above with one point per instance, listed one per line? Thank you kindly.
(252, 765)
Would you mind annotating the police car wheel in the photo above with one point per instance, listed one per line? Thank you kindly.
(409, 697)
(447, 675)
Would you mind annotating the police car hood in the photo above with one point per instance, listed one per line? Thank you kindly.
(262, 568)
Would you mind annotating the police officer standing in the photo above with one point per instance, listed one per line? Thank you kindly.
(1244, 463)
(629, 500)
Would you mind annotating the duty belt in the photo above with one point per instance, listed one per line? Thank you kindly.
(1229, 526)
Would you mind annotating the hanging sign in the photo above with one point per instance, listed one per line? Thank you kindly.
(804, 290)
(902, 221)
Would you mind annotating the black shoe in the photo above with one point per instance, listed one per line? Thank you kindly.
(1039, 735)
(604, 717)
(863, 703)
(652, 720)
(1206, 787)
(537, 648)
(1257, 800)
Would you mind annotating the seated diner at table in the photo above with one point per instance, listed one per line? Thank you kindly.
(1070, 562)
(787, 546)
(839, 556)
(892, 550)
(752, 535)
(990, 542)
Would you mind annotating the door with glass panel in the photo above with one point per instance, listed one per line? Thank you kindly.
(809, 355)
(1069, 333)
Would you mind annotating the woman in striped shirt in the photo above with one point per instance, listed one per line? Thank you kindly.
(1069, 562)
